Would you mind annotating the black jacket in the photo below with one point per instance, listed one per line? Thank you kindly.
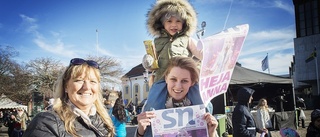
(242, 120)
(48, 124)
(312, 131)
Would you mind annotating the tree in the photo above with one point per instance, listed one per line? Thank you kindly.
(6, 65)
(21, 86)
(13, 77)
(19, 81)
(45, 72)
(110, 69)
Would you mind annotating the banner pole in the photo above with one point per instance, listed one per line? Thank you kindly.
(317, 75)
(268, 63)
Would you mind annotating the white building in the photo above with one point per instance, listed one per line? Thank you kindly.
(135, 85)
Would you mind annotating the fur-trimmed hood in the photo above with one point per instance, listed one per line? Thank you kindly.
(161, 7)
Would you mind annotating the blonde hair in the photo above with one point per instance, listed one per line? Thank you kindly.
(184, 63)
(261, 106)
(61, 98)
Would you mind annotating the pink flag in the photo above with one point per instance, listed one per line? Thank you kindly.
(220, 54)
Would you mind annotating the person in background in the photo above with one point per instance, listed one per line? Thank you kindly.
(109, 104)
(263, 117)
(313, 129)
(10, 123)
(300, 107)
(120, 117)
(175, 91)
(6, 116)
(134, 114)
(22, 118)
(78, 110)
(17, 131)
(242, 120)
(50, 104)
(172, 22)
(1, 116)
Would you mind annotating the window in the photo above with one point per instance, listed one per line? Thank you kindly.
(308, 18)
(136, 88)
(127, 89)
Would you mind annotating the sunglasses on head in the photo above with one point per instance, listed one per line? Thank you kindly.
(80, 61)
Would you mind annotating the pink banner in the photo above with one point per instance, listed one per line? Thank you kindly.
(220, 54)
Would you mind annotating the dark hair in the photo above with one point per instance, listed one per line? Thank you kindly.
(119, 111)
(315, 114)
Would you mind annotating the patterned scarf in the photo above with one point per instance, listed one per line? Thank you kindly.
(172, 103)
(85, 117)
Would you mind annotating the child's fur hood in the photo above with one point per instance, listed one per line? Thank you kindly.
(161, 7)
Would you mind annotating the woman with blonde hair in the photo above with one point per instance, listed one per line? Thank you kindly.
(22, 118)
(78, 109)
(263, 117)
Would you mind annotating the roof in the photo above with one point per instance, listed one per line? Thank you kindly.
(243, 75)
(7, 103)
(135, 71)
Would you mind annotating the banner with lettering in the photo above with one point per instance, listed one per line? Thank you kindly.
(182, 121)
(220, 54)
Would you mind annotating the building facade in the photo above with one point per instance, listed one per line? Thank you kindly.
(306, 44)
(135, 85)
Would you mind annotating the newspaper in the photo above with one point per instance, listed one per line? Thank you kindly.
(180, 122)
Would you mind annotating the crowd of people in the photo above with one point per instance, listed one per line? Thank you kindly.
(245, 125)
(15, 120)
(78, 109)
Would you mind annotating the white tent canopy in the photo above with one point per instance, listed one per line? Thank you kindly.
(7, 103)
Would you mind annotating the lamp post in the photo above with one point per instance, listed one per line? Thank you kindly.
(146, 76)
(201, 31)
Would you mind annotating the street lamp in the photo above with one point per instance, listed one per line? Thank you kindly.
(145, 76)
(201, 31)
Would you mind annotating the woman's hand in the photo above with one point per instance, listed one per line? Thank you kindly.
(144, 120)
(264, 130)
(212, 124)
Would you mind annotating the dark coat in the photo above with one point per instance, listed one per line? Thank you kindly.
(312, 131)
(48, 124)
(10, 123)
(242, 120)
